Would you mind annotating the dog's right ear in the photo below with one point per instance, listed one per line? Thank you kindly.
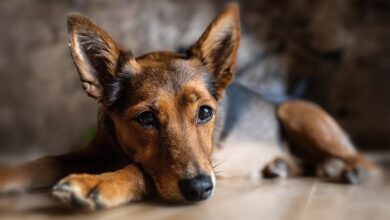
(217, 48)
(94, 53)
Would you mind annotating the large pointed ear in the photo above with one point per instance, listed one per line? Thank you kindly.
(217, 48)
(95, 55)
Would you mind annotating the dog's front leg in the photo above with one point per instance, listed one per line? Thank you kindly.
(105, 190)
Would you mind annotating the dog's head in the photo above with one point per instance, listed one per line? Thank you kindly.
(163, 105)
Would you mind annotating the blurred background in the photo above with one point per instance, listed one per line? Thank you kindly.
(336, 53)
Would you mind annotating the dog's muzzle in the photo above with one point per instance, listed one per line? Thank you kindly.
(196, 188)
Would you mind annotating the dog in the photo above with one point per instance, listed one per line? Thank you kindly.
(165, 118)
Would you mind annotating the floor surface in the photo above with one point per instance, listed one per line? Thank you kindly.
(299, 198)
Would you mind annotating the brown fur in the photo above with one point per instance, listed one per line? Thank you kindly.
(169, 154)
(128, 161)
(317, 137)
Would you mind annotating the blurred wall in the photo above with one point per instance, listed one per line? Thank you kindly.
(339, 49)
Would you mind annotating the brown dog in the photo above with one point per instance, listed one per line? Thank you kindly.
(160, 116)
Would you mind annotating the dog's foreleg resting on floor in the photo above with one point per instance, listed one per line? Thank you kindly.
(96, 191)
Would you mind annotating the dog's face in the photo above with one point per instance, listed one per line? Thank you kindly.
(163, 104)
(168, 121)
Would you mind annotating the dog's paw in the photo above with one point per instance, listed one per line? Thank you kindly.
(91, 192)
(335, 170)
(353, 175)
(276, 169)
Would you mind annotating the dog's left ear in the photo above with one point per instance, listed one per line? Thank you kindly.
(217, 48)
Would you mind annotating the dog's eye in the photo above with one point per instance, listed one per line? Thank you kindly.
(147, 119)
(205, 114)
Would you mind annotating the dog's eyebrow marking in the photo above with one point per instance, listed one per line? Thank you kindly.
(189, 96)
(155, 105)
(194, 97)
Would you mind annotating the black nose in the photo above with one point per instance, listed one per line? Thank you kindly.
(196, 188)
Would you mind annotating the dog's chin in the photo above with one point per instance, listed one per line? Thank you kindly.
(169, 193)
(177, 199)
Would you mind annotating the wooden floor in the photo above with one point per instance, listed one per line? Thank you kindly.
(301, 198)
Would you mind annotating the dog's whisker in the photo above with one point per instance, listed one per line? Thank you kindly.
(217, 164)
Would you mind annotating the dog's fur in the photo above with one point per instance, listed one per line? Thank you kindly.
(130, 159)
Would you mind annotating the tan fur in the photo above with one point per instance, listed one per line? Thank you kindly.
(316, 137)
(314, 127)
(184, 152)
(128, 161)
(100, 191)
